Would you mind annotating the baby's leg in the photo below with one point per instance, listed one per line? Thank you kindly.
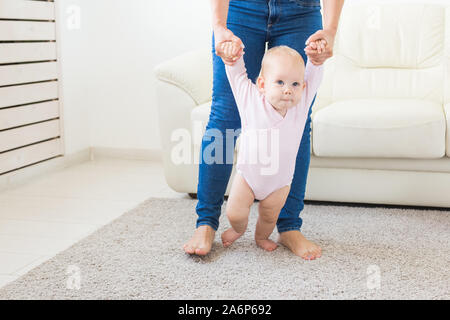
(269, 209)
(239, 202)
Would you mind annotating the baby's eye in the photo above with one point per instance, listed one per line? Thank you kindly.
(295, 84)
(280, 82)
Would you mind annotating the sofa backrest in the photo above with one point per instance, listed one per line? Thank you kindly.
(391, 51)
(447, 57)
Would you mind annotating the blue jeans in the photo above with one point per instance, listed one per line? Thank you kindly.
(255, 22)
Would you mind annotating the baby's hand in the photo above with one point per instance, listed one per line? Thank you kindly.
(318, 45)
(229, 50)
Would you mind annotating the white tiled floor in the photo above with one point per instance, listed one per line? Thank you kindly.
(52, 212)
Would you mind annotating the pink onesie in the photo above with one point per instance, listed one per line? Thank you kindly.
(269, 142)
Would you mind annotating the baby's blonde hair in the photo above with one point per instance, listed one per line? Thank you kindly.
(277, 51)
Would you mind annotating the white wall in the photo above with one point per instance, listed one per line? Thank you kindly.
(107, 65)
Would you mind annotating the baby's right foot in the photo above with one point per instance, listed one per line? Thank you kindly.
(229, 236)
(266, 244)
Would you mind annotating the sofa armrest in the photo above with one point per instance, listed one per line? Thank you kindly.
(182, 84)
(190, 72)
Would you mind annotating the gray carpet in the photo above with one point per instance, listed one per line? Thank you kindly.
(368, 253)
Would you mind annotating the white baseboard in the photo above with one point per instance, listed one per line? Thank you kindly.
(24, 175)
(129, 154)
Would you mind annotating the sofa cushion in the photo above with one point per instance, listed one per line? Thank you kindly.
(199, 120)
(447, 116)
(387, 51)
(392, 35)
(389, 128)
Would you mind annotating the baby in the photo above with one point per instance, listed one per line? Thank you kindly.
(273, 115)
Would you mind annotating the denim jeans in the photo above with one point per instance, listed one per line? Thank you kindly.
(255, 22)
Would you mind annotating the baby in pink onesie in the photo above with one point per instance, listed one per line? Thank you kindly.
(273, 115)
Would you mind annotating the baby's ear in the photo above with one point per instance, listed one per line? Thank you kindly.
(260, 83)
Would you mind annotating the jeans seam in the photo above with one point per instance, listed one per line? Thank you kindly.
(288, 229)
(207, 224)
(305, 3)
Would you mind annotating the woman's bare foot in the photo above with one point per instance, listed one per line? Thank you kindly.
(201, 242)
(266, 244)
(299, 245)
(229, 236)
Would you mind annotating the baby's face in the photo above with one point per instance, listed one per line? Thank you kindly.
(282, 82)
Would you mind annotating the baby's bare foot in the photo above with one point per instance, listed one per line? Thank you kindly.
(266, 244)
(229, 236)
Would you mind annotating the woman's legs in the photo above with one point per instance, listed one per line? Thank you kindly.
(288, 22)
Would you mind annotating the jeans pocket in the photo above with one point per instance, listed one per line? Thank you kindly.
(307, 3)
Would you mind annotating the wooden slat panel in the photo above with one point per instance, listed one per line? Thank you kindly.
(26, 30)
(25, 9)
(25, 52)
(30, 72)
(18, 116)
(19, 137)
(15, 95)
(28, 155)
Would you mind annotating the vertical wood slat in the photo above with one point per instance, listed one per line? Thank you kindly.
(27, 52)
(29, 93)
(22, 136)
(28, 155)
(26, 30)
(25, 9)
(19, 116)
(59, 25)
(26, 122)
(30, 72)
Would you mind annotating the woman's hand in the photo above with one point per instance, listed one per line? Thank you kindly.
(230, 50)
(223, 35)
(323, 51)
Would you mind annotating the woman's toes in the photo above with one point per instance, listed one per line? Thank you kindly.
(188, 249)
(201, 251)
(319, 253)
(309, 256)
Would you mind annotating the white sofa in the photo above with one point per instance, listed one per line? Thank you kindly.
(379, 120)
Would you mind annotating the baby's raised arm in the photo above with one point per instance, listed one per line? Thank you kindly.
(244, 90)
(313, 78)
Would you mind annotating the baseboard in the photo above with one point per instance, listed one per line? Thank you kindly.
(24, 175)
(128, 154)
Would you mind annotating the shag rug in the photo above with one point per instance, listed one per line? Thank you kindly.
(367, 253)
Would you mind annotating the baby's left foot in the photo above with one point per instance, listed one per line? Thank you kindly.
(266, 244)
